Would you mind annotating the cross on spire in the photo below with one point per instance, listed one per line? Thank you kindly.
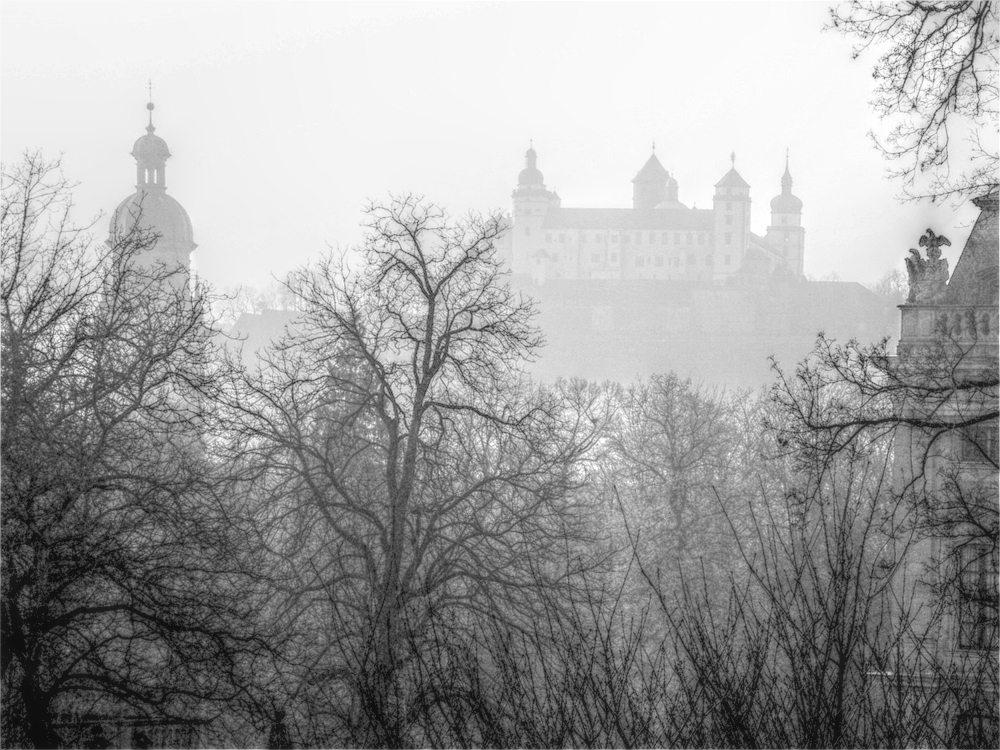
(732, 158)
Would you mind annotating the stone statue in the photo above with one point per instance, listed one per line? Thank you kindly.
(928, 278)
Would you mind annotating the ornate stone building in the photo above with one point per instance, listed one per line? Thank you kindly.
(946, 472)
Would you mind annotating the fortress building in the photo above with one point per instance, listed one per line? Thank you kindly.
(665, 287)
(659, 237)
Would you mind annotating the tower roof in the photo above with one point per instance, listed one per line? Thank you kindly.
(786, 203)
(732, 179)
(150, 147)
(156, 212)
(652, 171)
(530, 175)
(149, 206)
(976, 278)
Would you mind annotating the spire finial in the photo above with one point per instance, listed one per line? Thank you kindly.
(786, 158)
(654, 147)
(732, 158)
(150, 106)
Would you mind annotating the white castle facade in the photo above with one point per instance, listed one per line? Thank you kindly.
(658, 238)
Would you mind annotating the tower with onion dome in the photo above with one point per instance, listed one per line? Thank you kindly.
(152, 209)
(786, 236)
(531, 203)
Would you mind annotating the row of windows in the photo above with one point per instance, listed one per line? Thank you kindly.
(689, 238)
(659, 261)
(981, 443)
(727, 238)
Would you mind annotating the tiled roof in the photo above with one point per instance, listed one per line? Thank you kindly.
(628, 219)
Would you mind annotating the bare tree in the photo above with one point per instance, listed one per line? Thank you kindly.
(123, 587)
(411, 472)
(672, 448)
(937, 76)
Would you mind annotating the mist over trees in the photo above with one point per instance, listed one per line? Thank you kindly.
(382, 532)
(126, 565)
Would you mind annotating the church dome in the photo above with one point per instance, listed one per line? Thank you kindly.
(156, 212)
(149, 205)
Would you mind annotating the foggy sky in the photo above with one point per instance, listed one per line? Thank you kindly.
(283, 118)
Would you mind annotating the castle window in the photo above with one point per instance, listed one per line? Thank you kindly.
(527, 231)
(659, 260)
(691, 259)
(979, 443)
(728, 259)
(548, 237)
(729, 238)
(708, 259)
(729, 219)
(786, 236)
(977, 591)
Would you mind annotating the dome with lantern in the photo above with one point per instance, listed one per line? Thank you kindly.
(149, 205)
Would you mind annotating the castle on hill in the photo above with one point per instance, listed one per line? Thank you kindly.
(655, 288)
(659, 237)
(663, 287)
